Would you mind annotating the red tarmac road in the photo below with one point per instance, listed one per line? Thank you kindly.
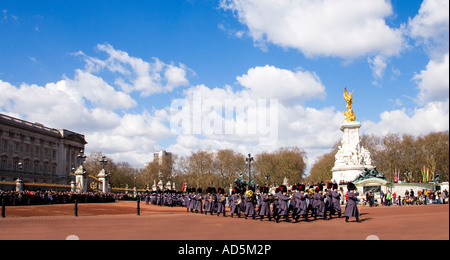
(119, 221)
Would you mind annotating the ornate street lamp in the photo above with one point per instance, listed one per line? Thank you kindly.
(103, 162)
(20, 164)
(249, 161)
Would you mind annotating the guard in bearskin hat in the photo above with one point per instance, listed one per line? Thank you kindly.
(319, 203)
(300, 205)
(221, 201)
(303, 205)
(192, 202)
(235, 200)
(214, 200)
(336, 200)
(250, 201)
(198, 201)
(328, 199)
(295, 201)
(282, 207)
(351, 209)
(265, 200)
(207, 205)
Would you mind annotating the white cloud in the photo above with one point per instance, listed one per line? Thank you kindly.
(275, 83)
(433, 82)
(378, 65)
(135, 74)
(315, 130)
(337, 28)
(431, 26)
(89, 105)
(432, 117)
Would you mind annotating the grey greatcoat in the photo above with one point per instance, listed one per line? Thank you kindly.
(264, 205)
(198, 202)
(191, 201)
(233, 207)
(319, 204)
(336, 201)
(351, 209)
(207, 205)
(221, 204)
(282, 207)
(302, 206)
(250, 206)
(295, 202)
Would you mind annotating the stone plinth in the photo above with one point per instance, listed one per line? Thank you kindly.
(103, 176)
(81, 179)
(352, 158)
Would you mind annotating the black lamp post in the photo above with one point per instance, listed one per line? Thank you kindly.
(103, 162)
(249, 161)
(20, 164)
(81, 156)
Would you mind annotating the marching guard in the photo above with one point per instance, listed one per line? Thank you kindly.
(282, 207)
(221, 201)
(198, 201)
(336, 200)
(207, 206)
(264, 204)
(351, 209)
(319, 203)
(303, 206)
(329, 200)
(250, 201)
(300, 205)
(235, 200)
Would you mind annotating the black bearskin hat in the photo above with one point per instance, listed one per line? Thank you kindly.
(301, 187)
(351, 186)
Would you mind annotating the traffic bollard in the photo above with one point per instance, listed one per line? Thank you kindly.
(3, 208)
(76, 208)
(138, 206)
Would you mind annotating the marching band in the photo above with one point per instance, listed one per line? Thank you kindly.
(300, 202)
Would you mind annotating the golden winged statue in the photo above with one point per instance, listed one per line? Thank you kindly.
(348, 97)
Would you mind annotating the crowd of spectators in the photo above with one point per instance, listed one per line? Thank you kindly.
(421, 197)
(15, 198)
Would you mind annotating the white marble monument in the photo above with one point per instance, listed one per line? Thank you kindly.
(352, 158)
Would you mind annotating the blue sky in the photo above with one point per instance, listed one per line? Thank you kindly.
(112, 69)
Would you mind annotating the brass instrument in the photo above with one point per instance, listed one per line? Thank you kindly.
(239, 201)
(249, 193)
(223, 198)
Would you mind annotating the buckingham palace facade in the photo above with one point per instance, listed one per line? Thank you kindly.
(37, 153)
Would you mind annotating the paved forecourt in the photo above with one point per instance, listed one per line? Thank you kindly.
(120, 221)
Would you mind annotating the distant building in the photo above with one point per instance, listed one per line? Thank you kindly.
(37, 153)
(159, 156)
(162, 158)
